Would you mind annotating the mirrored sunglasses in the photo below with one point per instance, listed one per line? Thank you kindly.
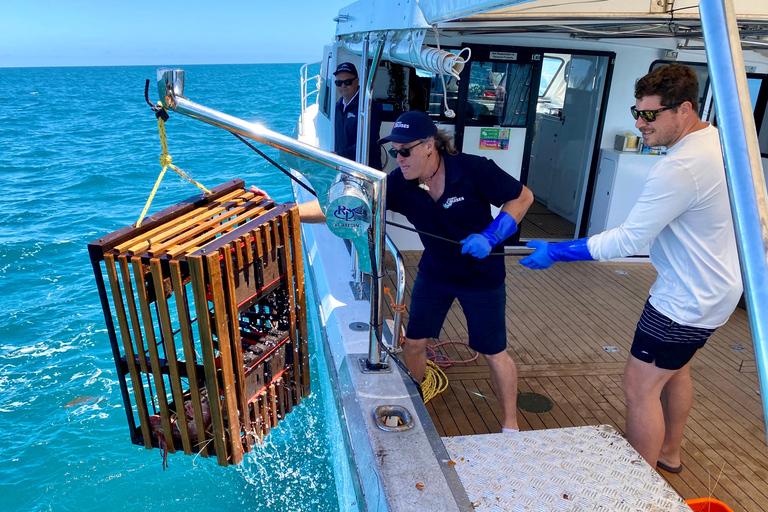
(404, 152)
(347, 82)
(649, 116)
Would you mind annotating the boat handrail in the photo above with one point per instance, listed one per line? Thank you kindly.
(305, 94)
(743, 169)
(400, 293)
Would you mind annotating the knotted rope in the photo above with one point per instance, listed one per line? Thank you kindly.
(166, 162)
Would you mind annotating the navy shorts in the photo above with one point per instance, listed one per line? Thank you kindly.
(484, 309)
(661, 339)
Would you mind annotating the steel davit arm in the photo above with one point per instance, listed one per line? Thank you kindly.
(372, 192)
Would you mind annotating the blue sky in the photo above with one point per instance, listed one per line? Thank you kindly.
(138, 32)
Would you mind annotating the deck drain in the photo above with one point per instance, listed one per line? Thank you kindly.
(533, 402)
(359, 326)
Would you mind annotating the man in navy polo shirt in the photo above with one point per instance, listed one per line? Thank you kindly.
(345, 141)
(450, 194)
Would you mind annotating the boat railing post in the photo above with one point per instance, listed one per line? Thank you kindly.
(400, 292)
(746, 183)
(357, 274)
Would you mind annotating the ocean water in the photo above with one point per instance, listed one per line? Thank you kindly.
(79, 154)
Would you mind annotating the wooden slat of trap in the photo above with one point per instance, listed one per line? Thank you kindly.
(105, 244)
(125, 334)
(234, 332)
(140, 243)
(133, 312)
(154, 357)
(164, 315)
(291, 226)
(225, 355)
(601, 307)
(190, 358)
(199, 236)
(197, 273)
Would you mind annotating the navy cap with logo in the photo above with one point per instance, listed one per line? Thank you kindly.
(346, 67)
(411, 126)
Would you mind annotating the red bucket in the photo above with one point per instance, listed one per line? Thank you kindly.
(708, 505)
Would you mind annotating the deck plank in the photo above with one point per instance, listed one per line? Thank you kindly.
(558, 322)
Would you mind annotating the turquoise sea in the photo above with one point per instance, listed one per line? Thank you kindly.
(79, 154)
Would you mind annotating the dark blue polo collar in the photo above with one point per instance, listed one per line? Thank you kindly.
(453, 172)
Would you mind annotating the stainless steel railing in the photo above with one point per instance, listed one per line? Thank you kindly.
(743, 169)
(305, 93)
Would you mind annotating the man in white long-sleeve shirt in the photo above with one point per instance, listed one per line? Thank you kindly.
(684, 214)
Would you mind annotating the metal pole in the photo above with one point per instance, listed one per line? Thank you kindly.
(115, 350)
(746, 182)
(400, 267)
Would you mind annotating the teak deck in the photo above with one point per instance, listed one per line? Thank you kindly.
(558, 321)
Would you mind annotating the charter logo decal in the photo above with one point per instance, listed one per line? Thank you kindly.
(451, 201)
(347, 214)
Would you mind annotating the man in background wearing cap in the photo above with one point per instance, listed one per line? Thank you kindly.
(345, 141)
(449, 194)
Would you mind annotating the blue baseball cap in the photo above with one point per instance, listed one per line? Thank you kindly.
(347, 67)
(412, 126)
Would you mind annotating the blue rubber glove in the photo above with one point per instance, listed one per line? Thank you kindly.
(545, 253)
(479, 245)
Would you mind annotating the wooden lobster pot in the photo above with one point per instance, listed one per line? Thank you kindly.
(211, 321)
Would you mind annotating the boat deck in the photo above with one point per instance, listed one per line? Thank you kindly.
(559, 323)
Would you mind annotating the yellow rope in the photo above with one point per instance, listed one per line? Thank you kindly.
(165, 161)
(435, 381)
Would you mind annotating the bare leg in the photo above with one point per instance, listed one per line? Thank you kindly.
(415, 356)
(643, 383)
(676, 402)
(504, 379)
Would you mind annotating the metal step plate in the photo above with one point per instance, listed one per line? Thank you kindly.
(569, 469)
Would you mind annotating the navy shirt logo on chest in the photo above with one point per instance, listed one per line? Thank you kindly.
(451, 201)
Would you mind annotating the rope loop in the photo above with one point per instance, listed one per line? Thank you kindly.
(165, 160)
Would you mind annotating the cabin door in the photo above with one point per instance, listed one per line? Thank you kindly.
(565, 129)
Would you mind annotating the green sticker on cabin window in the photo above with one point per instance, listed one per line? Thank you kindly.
(494, 138)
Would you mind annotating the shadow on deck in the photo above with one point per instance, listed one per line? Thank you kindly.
(558, 323)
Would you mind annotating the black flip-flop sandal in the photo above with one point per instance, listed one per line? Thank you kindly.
(669, 469)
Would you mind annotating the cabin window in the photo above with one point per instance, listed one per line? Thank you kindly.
(498, 93)
(702, 73)
(550, 67)
(758, 94)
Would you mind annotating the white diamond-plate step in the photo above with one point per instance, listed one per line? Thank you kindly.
(584, 469)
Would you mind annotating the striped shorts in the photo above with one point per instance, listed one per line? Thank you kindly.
(667, 343)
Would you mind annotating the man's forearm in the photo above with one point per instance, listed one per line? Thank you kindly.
(311, 212)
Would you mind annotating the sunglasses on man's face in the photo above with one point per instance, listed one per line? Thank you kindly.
(347, 82)
(404, 152)
(649, 116)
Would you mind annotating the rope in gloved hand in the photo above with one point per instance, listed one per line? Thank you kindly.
(165, 158)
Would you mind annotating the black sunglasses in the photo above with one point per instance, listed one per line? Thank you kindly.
(649, 116)
(347, 82)
(404, 152)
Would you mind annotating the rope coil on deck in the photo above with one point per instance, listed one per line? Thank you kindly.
(435, 381)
